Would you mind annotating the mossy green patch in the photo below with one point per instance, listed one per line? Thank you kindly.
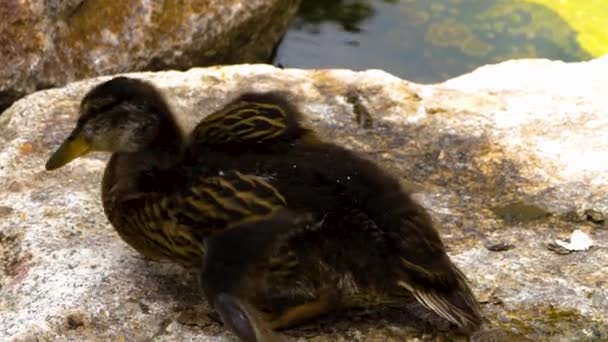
(544, 321)
(95, 15)
(520, 212)
(167, 19)
(587, 17)
(86, 24)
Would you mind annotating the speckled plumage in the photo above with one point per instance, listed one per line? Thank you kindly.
(270, 210)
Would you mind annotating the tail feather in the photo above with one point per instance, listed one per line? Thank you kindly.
(416, 263)
(455, 303)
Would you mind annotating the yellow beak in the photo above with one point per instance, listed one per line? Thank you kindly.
(68, 151)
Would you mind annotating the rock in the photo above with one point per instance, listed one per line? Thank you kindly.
(526, 136)
(48, 43)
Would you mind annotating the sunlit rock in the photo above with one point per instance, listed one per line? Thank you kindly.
(507, 159)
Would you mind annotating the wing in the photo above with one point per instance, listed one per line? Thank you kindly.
(175, 225)
(252, 118)
(233, 198)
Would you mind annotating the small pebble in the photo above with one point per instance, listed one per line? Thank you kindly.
(500, 247)
(553, 247)
(595, 216)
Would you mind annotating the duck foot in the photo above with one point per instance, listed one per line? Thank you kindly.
(302, 313)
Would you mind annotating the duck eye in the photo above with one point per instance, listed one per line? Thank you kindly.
(107, 107)
(93, 108)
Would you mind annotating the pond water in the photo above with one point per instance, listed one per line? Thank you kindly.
(433, 40)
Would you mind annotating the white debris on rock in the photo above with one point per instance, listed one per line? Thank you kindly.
(579, 241)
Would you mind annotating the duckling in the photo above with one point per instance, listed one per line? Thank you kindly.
(159, 207)
(372, 243)
(267, 209)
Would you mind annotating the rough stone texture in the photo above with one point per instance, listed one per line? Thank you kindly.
(47, 43)
(507, 159)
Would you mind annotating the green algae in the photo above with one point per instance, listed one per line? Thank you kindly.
(548, 323)
(520, 212)
(86, 24)
(587, 17)
(362, 115)
(431, 41)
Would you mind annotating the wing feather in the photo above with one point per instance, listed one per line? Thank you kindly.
(175, 225)
(251, 118)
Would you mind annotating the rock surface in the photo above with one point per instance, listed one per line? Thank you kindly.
(48, 43)
(507, 159)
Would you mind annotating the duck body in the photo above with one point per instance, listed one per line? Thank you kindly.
(276, 217)
(372, 244)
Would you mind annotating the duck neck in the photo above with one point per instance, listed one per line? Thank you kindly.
(125, 170)
(170, 139)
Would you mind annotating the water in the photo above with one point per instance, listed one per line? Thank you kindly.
(424, 40)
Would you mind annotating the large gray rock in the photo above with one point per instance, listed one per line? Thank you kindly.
(508, 160)
(47, 43)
